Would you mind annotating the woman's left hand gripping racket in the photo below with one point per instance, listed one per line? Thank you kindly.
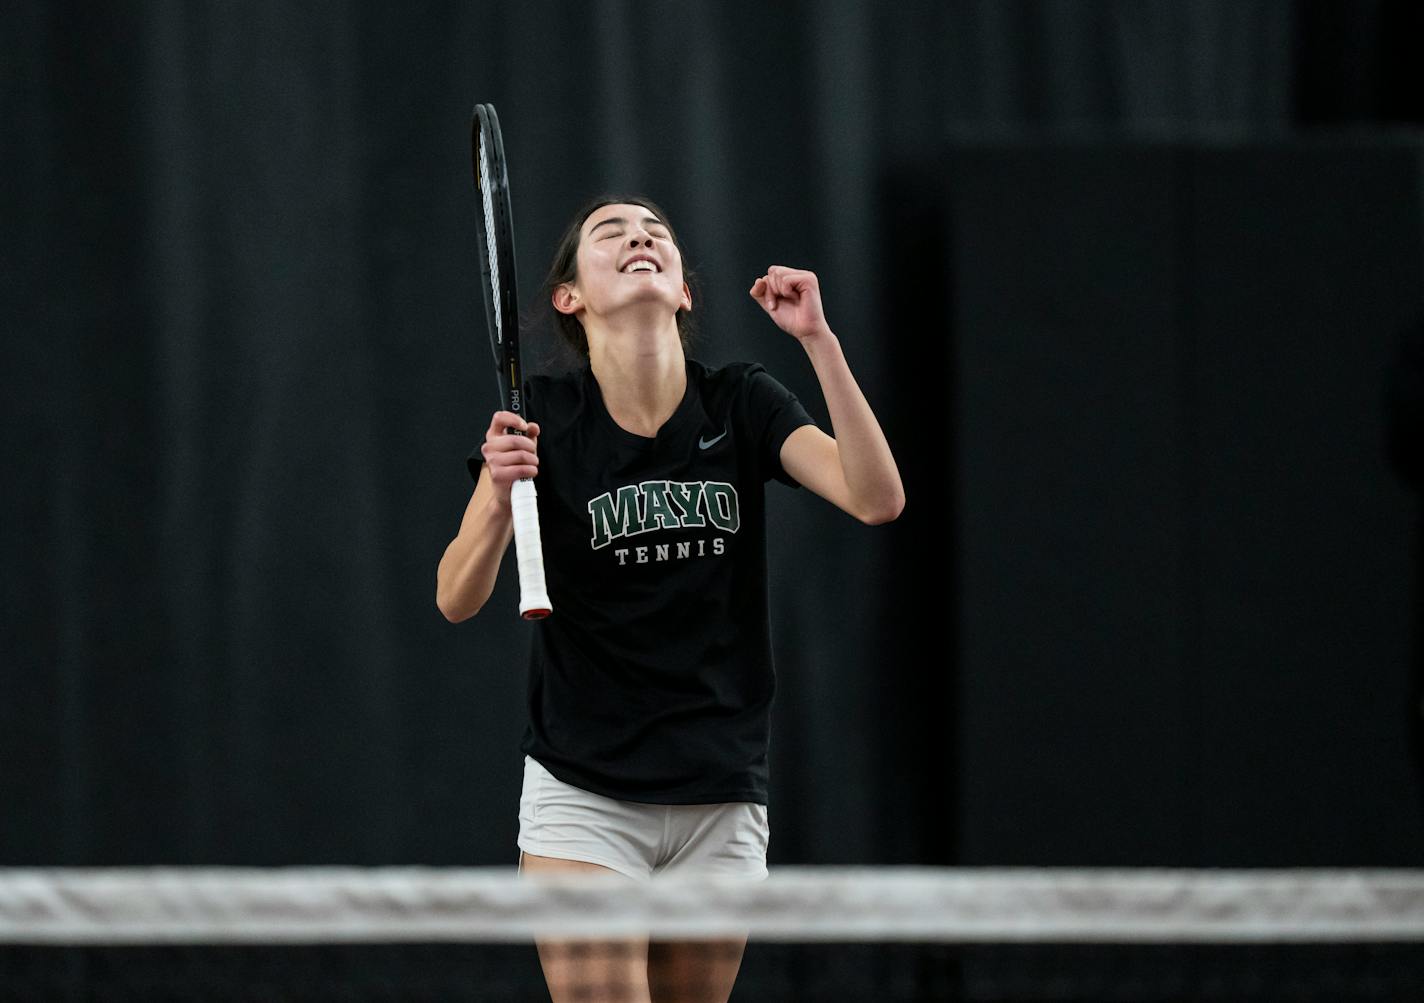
(495, 227)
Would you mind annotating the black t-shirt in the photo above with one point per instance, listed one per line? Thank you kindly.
(652, 680)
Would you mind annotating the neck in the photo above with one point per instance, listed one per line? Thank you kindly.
(641, 376)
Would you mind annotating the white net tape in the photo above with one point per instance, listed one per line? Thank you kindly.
(795, 904)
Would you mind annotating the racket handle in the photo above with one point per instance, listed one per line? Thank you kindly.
(533, 595)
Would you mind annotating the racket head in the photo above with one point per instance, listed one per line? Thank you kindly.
(494, 226)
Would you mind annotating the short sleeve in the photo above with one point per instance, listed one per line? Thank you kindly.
(773, 413)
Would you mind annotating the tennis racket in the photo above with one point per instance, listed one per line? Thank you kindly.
(495, 227)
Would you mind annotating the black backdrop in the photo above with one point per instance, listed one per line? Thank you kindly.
(1121, 280)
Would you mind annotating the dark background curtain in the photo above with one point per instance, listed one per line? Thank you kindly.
(1123, 281)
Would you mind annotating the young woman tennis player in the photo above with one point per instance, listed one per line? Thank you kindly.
(650, 686)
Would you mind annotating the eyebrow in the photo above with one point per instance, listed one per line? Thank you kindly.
(620, 220)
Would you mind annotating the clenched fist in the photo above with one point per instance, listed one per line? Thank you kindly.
(510, 456)
(791, 297)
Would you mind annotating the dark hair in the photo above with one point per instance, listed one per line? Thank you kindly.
(565, 269)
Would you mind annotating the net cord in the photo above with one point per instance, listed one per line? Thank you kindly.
(795, 904)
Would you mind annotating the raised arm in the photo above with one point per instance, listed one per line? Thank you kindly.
(855, 471)
(470, 565)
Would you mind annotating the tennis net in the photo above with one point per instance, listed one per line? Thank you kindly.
(813, 933)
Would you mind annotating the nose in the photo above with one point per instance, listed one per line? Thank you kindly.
(640, 236)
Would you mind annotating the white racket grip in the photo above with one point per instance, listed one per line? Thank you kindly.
(533, 594)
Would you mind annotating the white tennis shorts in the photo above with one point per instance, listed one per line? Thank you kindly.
(636, 839)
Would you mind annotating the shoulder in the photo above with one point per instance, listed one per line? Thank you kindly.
(727, 381)
(554, 393)
(727, 371)
(556, 382)
(558, 402)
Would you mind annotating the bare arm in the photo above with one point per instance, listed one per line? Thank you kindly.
(854, 471)
(467, 571)
(466, 575)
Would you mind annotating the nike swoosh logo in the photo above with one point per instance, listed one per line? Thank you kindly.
(704, 443)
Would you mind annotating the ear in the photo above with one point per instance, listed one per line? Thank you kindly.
(565, 299)
(686, 298)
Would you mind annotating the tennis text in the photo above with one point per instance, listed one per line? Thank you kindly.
(664, 551)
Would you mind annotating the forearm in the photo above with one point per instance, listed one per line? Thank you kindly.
(468, 569)
(866, 461)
